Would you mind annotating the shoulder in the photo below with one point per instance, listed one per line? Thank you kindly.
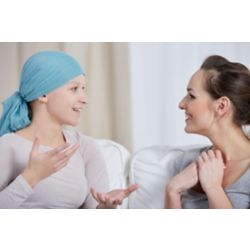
(7, 140)
(189, 155)
(9, 148)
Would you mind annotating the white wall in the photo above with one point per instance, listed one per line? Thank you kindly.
(159, 76)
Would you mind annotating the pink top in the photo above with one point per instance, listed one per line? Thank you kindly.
(67, 188)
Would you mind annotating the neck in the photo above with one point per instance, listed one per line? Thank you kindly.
(232, 142)
(48, 131)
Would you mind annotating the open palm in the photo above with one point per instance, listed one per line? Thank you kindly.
(112, 198)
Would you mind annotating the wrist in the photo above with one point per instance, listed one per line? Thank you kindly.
(172, 198)
(213, 189)
(171, 189)
(30, 177)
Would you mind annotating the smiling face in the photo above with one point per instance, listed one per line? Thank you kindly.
(198, 105)
(65, 103)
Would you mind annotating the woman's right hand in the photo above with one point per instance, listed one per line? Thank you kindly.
(186, 179)
(42, 165)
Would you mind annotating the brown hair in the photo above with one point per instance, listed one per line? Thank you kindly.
(225, 78)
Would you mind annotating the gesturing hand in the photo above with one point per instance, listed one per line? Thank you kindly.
(112, 198)
(42, 165)
(211, 169)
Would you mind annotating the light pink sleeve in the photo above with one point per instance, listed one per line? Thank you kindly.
(95, 169)
(14, 190)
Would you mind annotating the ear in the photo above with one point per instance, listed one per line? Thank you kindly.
(43, 99)
(223, 106)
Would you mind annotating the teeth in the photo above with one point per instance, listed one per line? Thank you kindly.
(76, 109)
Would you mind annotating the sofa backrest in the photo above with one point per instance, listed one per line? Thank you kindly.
(117, 159)
(151, 168)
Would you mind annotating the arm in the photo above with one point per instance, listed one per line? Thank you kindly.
(172, 198)
(14, 190)
(186, 179)
(217, 198)
(211, 170)
(16, 187)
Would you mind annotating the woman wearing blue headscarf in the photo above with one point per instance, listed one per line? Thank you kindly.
(43, 165)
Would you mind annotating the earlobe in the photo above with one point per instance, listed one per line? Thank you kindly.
(43, 99)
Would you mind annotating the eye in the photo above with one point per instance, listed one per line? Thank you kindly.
(191, 96)
(74, 89)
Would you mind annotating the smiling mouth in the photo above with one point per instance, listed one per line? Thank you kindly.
(77, 109)
(187, 117)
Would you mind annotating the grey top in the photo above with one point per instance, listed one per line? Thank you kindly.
(67, 188)
(238, 193)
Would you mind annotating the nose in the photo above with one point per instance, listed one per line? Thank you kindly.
(182, 104)
(83, 98)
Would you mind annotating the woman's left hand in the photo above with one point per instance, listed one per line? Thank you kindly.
(211, 170)
(113, 198)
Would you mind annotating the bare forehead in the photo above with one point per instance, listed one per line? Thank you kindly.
(197, 80)
(79, 80)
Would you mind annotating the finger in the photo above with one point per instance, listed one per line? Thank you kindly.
(218, 154)
(194, 166)
(70, 150)
(63, 159)
(66, 154)
(204, 156)
(211, 154)
(58, 149)
(108, 199)
(200, 161)
(131, 189)
(35, 146)
(60, 164)
(100, 197)
(116, 203)
(93, 192)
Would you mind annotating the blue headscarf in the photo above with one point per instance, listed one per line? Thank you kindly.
(42, 73)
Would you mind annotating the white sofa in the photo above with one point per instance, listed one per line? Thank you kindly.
(150, 167)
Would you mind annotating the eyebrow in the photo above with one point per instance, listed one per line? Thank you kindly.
(190, 89)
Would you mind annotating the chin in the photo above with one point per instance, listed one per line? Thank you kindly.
(189, 130)
(72, 123)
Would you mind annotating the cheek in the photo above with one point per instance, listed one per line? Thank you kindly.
(56, 104)
(205, 114)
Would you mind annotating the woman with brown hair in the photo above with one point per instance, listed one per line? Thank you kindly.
(217, 105)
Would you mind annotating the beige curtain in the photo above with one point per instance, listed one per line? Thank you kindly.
(107, 115)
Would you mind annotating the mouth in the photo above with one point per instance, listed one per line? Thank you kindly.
(187, 117)
(78, 110)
